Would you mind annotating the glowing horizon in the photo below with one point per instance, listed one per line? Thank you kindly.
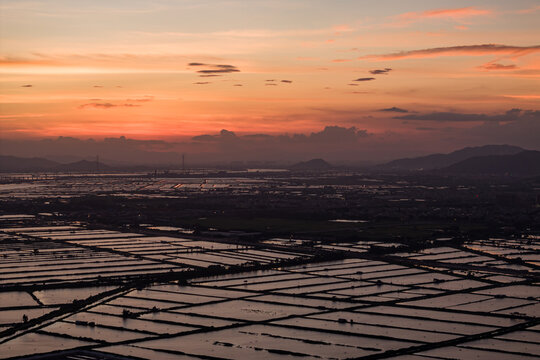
(177, 69)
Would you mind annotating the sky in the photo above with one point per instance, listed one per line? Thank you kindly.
(387, 77)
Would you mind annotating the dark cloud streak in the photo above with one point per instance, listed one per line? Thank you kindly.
(509, 116)
(214, 68)
(395, 109)
(495, 66)
(218, 71)
(384, 71)
(106, 105)
(470, 50)
(365, 79)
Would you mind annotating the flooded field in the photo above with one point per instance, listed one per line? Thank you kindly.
(68, 288)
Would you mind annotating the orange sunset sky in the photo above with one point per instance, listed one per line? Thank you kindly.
(173, 70)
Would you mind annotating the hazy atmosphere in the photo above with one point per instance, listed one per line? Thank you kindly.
(268, 80)
(269, 179)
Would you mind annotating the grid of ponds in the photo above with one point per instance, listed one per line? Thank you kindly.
(396, 305)
(54, 254)
(134, 185)
(141, 185)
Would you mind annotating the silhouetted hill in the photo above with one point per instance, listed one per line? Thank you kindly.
(438, 161)
(525, 163)
(18, 164)
(311, 165)
(83, 166)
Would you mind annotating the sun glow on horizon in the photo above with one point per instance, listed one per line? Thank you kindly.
(148, 70)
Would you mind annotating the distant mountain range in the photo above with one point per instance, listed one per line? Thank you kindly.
(311, 165)
(525, 163)
(490, 159)
(84, 166)
(18, 164)
(440, 161)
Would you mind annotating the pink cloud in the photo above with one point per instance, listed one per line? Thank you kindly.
(105, 105)
(453, 14)
(496, 66)
(464, 50)
(531, 10)
(340, 29)
(525, 97)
